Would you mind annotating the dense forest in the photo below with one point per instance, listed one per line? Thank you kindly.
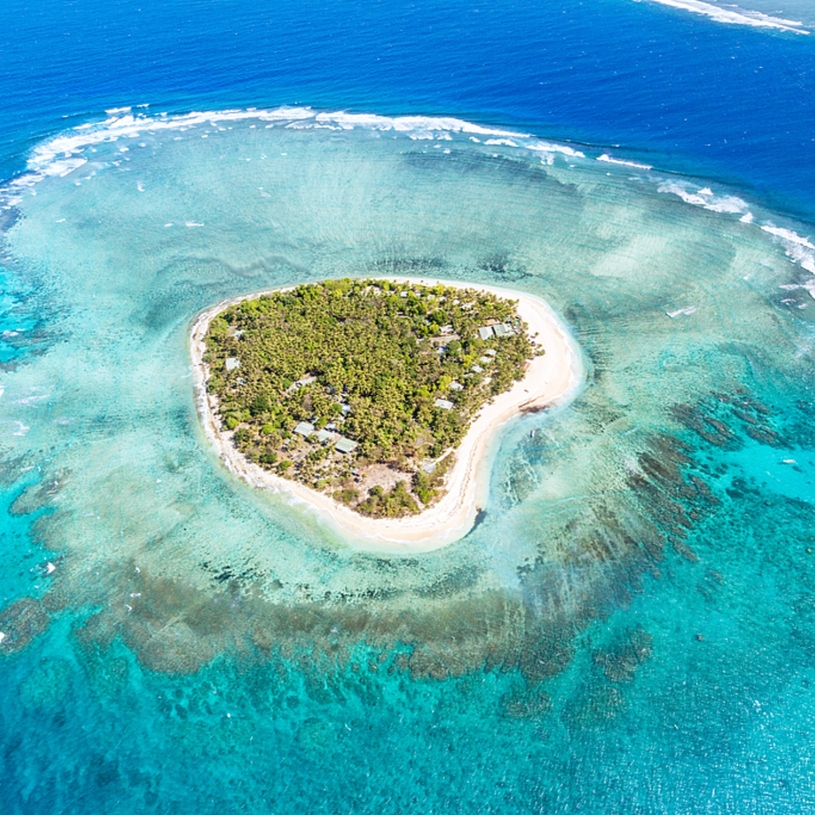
(346, 384)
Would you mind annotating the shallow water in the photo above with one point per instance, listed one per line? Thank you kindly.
(627, 628)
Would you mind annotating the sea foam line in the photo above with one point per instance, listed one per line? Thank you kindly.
(609, 160)
(705, 197)
(735, 15)
(131, 126)
(798, 249)
(61, 155)
(551, 148)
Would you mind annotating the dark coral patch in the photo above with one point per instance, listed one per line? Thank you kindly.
(20, 623)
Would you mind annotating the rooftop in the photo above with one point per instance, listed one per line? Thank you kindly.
(345, 445)
(301, 383)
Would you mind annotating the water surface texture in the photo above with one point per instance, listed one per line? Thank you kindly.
(628, 627)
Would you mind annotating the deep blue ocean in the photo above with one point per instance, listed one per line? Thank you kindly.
(686, 688)
(725, 102)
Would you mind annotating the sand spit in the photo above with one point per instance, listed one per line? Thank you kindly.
(550, 380)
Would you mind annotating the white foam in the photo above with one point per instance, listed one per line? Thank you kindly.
(608, 159)
(735, 15)
(798, 249)
(549, 147)
(412, 125)
(62, 154)
(788, 235)
(681, 312)
(65, 167)
(705, 197)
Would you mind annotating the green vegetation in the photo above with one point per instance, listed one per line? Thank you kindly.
(393, 372)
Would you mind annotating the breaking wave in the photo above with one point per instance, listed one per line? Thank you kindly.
(736, 16)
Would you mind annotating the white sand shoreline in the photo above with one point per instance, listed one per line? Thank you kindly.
(550, 379)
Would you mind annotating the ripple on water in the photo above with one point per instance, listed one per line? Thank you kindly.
(675, 305)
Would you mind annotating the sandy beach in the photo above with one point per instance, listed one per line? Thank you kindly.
(550, 379)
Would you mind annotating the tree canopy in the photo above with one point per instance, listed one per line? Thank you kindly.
(395, 371)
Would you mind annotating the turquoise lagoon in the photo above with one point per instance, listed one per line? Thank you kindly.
(629, 626)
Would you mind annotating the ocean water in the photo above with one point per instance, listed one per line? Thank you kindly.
(793, 16)
(628, 629)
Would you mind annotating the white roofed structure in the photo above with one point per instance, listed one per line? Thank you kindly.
(345, 445)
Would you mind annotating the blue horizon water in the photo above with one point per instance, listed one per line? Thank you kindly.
(630, 627)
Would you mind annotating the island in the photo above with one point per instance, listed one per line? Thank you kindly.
(373, 399)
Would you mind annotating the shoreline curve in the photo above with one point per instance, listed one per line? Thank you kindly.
(550, 380)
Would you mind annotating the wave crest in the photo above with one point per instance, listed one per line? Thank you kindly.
(736, 16)
(64, 154)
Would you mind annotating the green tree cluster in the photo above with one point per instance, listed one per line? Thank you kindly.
(366, 359)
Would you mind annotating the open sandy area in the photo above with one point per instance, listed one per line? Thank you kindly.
(550, 379)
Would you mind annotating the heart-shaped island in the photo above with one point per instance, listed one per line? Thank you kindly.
(374, 400)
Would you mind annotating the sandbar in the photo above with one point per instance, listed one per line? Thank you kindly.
(551, 379)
